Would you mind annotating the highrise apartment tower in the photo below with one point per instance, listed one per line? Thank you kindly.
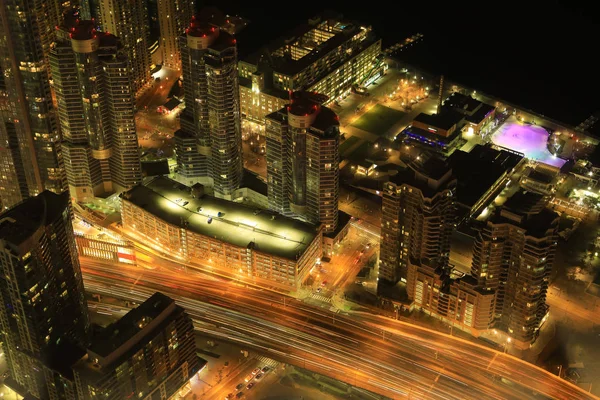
(417, 219)
(30, 159)
(41, 288)
(96, 110)
(149, 352)
(209, 144)
(173, 17)
(128, 20)
(303, 160)
(513, 257)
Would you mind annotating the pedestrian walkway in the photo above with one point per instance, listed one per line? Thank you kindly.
(320, 297)
(267, 362)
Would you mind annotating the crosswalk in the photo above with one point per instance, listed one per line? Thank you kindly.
(267, 362)
(320, 297)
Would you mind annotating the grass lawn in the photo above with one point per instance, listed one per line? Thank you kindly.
(348, 143)
(378, 120)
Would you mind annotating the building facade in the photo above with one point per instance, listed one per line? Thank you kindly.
(329, 55)
(173, 16)
(212, 112)
(96, 110)
(128, 20)
(512, 258)
(149, 352)
(30, 158)
(41, 289)
(417, 220)
(303, 161)
(255, 246)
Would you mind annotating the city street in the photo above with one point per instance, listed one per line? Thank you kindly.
(379, 354)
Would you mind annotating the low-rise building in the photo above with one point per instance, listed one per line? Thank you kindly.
(327, 55)
(478, 116)
(438, 132)
(257, 246)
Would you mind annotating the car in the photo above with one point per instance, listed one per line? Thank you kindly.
(318, 290)
(229, 396)
(250, 385)
(258, 377)
(239, 386)
(324, 283)
(240, 395)
(265, 370)
(249, 378)
(255, 371)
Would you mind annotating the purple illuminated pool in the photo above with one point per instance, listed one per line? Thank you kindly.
(528, 139)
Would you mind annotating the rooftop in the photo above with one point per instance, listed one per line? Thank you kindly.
(431, 176)
(480, 114)
(201, 27)
(234, 223)
(524, 202)
(463, 102)
(118, 333)
(535, 224)
(431, 166)
(80, 29)
(478, 170)
(23, 220)
(313, 41)
(445, 120)
(540, 176)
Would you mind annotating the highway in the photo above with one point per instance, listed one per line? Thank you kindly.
(385, 356)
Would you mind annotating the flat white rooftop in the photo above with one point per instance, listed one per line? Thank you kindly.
(227, 221)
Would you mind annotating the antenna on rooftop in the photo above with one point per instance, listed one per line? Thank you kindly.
(441, 94)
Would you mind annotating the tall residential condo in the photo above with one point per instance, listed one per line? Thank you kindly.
(303, 160)
(417, 219)
(209, 143)
(512, 258)
(149, 352)
(30, 159)
(173, 16)
(96, 110)
(41, 289)
(128, 20)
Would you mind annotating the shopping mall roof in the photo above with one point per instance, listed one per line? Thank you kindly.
(479, 170)
(234, 223)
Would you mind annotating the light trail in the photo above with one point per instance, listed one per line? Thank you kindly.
(405, 358)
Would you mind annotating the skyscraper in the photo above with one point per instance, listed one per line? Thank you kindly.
(173, 17)
(30, 159)
(212, 114)
(417, 219)
(148, 354)
(96, 110)
(41, 289)
(303, 160)
(128, 20)
(513, 257)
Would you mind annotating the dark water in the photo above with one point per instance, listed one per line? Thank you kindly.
(540, 55)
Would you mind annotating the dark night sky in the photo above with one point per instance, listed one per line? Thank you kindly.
(540, 55)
